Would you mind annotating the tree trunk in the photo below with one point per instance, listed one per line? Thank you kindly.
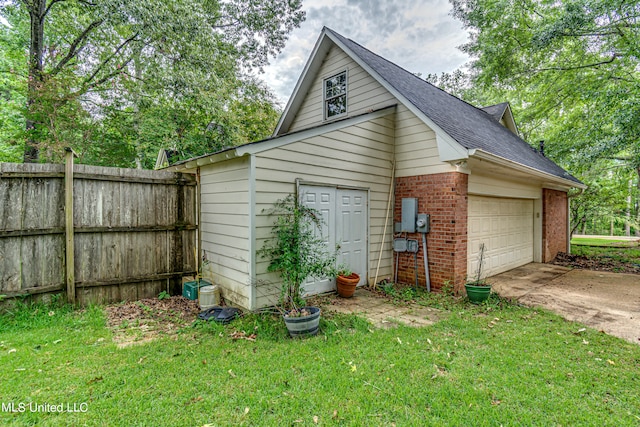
(638, 204)
(627, 223)
(137, 65)
(611, 228)
(37, 10)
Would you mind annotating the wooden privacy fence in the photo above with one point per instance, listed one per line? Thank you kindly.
(129, 234)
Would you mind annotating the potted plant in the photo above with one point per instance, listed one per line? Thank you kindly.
(478, 290)
(296, 252)
(346, 281)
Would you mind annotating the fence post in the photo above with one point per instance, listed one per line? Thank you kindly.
(178, 236)
(68, 216)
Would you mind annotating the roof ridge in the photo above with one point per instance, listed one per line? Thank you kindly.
(423, 81)
(472, 128)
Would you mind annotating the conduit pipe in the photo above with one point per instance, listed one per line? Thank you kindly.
(426, 261)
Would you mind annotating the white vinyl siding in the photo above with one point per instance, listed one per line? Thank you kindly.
(357, 156)
(503, 187)
(416, 147)
(363, 92)
(225, 229)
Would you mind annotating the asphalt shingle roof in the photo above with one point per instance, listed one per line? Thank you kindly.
(470, 126)
(496, 111)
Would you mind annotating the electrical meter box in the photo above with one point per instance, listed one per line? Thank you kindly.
(422, 224)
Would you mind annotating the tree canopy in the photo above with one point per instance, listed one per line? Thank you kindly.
(571, 73)
(118, 80)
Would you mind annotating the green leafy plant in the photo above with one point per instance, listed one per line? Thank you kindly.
(343, 270)
(164, 295)
(295, 250)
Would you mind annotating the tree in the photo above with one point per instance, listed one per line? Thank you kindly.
(572, 70)
(88, 59)
(12, 98)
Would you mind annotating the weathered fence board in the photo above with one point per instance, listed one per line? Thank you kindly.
(134, 231)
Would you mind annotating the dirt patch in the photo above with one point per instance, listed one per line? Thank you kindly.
(144, 320)
(598, 263)
(379, 309)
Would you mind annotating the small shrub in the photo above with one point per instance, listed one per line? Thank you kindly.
(295, 250)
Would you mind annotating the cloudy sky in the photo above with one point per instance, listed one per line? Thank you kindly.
(418, 35)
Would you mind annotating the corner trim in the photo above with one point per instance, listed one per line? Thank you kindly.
(252, 232)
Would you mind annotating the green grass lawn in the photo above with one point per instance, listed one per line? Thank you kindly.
(604, 242)
(495, 364)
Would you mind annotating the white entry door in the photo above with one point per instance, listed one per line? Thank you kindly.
(345, 222)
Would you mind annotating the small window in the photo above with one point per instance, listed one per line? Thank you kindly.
(335, 95)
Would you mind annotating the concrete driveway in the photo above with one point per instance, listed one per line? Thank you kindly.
(608, 302)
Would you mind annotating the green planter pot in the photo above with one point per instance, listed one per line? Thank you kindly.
(476, 293)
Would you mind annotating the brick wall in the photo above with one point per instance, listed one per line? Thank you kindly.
(444, 197)
(554, 223)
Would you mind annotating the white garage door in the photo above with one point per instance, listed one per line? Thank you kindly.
(344, 212)
(505, 226)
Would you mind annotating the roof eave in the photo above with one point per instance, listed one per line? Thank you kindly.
(546, 177)
(190, 166)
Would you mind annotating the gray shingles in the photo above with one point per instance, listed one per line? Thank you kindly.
(496, 111)
(470, 126)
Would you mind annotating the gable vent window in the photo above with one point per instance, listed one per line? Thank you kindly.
(335, 95)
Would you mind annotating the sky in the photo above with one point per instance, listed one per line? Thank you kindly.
(418, 35)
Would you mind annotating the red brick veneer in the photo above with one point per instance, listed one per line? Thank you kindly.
(554, 223)
(444, 197)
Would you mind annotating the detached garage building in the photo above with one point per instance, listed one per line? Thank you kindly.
(355, 127)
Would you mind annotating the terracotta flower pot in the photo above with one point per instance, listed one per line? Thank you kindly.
(346, 285)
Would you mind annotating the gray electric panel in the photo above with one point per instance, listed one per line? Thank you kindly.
(409, 213)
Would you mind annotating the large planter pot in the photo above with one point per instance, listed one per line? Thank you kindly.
(476, 293)
(346, 285)
(303, 326)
